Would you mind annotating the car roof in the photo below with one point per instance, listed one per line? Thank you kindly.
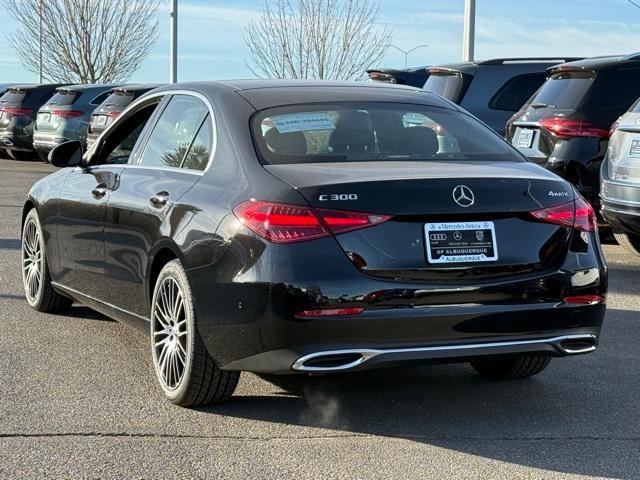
(598, 63)
(470, 67)
(83, 87)
(34, 86)
(135, 87)
(263, 94)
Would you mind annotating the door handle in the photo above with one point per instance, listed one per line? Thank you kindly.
(160, 199)
(100, 191)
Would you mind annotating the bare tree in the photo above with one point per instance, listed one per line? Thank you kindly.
(84, 41)
(324, 39)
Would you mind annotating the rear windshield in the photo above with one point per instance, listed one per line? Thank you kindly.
(119, 99)
(447, 85)
(372, 131)
(13, 96)
(62, 97)
(564, 90)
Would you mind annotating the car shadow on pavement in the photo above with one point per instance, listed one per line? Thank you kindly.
(572, 418)
(86, 313)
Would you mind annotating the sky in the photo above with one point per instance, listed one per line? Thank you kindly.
(211, 34)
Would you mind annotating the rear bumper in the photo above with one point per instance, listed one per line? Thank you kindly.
(359, 358)
(621, 205)
(249, 321)
(13, 140)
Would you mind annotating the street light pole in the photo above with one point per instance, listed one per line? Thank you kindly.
(407, 52)
(173, 41)
(469, 30)
(40, 41)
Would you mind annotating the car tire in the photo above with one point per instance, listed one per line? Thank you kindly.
(186, 372)
(629, 242)
(510, 368)
(36, 278)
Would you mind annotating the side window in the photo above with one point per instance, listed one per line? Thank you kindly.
(119, 143)
(100, 98)
(514, 93)
(174, 132)
(199, 153)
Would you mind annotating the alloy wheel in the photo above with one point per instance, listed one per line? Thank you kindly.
(32, 261)
(170, 333)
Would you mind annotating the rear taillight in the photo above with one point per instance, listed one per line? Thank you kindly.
(113, 114)
(281, 223)
(67, 113)
(579, 215)
(563, 127)
(18, 111)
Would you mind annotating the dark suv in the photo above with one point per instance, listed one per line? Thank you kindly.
(18, 109)
(565, 125)
(492, 90)
(66, 116)
(414, 76)
(112, 106)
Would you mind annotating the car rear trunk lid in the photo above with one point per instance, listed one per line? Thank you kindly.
(427, 207)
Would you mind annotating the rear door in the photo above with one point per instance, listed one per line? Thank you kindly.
(147, 192)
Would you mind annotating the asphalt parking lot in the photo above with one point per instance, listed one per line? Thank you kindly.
(78, 400)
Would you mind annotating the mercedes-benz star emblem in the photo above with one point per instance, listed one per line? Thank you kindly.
(463, 196)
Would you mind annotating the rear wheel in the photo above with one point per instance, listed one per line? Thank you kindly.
(187, 374)
(629, 241)
(510, 368)
(36, 279)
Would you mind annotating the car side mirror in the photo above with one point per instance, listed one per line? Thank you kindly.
(67, 154)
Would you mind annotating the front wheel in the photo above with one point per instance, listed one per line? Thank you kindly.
(510, 368)
(36, 279)
(187, 374)
(629, 241)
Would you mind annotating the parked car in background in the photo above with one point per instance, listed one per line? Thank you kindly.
(66, 116)
(112, 106)
(314, 227)
(620, 186)
(565, 125)
(3, 88)
(492, 90)
(18, 108)
(414, 76)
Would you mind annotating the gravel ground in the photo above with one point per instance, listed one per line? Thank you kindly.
(78, 400)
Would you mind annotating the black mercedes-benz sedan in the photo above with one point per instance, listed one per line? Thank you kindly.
(312, 227)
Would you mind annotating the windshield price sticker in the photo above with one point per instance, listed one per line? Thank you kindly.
(303, 122)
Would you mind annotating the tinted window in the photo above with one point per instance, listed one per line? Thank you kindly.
(174, 131)
(63, 97)
(13, 96)
(447, 85)
(119, 99)
(513, 94)
(198, 155)
(373, 132)
(616, 89)
(564, 90)
(99, 99)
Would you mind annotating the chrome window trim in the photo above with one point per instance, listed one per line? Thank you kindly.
(167, 93)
